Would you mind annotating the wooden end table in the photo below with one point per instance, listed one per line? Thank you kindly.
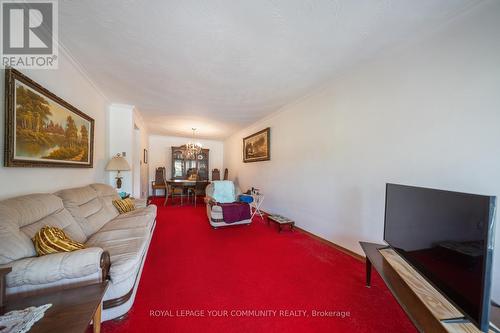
(3, 272)
(281, 221)
(71, 310)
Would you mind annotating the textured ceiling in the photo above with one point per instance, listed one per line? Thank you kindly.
(222, 64)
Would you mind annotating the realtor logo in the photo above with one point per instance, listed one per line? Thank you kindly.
(29, 34)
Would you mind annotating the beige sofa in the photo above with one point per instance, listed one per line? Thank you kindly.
(87, 215)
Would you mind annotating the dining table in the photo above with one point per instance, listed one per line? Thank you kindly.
(185, 185)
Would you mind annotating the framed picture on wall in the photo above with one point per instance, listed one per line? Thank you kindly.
(257, 147)
(43, 130)
(145, 157)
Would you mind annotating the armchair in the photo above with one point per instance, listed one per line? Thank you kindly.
(214, 210)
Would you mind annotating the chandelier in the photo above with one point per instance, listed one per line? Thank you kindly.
(192, 149)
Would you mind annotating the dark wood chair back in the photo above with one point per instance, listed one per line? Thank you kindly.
(160, 176)
(226, 174)
(215, 174)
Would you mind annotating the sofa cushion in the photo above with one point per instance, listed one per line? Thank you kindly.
(14, 244)
(105, 191)
(140, 202)
(128, 223)
(149, 212)
(125, 245)
(33, 207)
(107, 194)
(89, 209)
(61, 219)
(21, 217)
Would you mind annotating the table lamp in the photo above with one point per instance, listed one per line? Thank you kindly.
(118, 163)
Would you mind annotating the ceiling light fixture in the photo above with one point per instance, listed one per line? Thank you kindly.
(192, 148)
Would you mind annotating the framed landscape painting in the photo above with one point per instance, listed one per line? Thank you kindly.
(257, 147)
(41, 129)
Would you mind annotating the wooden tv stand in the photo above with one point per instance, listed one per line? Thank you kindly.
(428, 309)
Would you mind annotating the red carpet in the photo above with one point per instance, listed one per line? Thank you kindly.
(192, 269)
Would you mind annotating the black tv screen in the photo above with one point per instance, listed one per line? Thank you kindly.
(447, 236)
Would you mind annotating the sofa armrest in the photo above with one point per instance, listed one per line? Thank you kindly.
(211, 200)
(105, 264)
(58, 266)
(3, 273)
(140, 203)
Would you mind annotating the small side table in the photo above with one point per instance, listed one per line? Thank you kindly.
(257, 202)
(72, 309)
(281, 221)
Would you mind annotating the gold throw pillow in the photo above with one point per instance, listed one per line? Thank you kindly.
(124, 205)
(53, 240)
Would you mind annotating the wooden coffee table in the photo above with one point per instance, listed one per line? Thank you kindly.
(71, 310)
(281, 221)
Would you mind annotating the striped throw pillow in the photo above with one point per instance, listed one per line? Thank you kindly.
(124, 205)
(53, 240)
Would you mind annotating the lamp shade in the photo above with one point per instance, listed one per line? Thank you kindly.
(118, 163)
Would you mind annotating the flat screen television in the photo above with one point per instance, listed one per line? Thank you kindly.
(448, 237)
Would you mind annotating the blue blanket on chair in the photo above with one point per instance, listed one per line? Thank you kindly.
(224, 191)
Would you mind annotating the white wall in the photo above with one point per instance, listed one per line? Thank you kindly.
(137, 164)
(426, 114)
(123, 122)
(120, 140)
(70, 84)
(160, 153)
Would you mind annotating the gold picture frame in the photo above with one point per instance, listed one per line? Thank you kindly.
(257, 147)
(43, 130)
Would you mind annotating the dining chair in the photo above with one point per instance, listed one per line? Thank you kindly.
(166, 189)
(215, 174)
(191, 190)
(177, 190)
(166, 194)
(159, 182)
(226, 174)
